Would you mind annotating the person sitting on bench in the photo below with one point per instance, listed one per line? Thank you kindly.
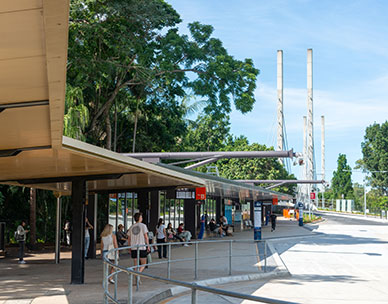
(122, 238)
(172, 235)
(182, 233)
(215, 228)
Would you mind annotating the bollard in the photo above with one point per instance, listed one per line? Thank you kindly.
(130, 282)
(196, 262)
(115, 269)
(230, 257)
(168, 261)
(265, 256)
(194, 296)
(105, 282)
(137, 269)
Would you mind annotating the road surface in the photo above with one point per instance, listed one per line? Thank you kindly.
(347, 262)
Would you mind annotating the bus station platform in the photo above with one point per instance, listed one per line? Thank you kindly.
(42, 281)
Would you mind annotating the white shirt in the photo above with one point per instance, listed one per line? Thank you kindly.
(159, 232)
(108, 242)
(136, 232)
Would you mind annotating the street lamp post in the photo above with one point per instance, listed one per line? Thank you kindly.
(364, 198)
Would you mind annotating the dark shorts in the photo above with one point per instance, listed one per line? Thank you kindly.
(143, 253)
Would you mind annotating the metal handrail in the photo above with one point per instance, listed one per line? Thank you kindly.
(131, 271)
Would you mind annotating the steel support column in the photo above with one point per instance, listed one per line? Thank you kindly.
(78, 203)
(92, 217)
(190, 216)
(142, 203)
(58, 229)
(154, 209)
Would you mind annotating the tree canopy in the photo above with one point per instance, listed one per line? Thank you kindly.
(255, 168)
(126, 55)
(341, 182)
(375, 155)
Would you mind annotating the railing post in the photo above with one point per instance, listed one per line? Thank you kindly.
(137, 269)
(230, 257)
(130, 282)
(105, 282)
(265, 256)
(196, 262)
(115, 269)
(168, 261)
(194, 296)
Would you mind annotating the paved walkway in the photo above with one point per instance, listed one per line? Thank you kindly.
(41, 281)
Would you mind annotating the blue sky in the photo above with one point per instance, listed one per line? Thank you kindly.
(350, 66)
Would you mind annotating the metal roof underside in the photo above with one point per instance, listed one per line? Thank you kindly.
(33, 151)
(218, 186)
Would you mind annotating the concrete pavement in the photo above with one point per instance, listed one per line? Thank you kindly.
(41, 281)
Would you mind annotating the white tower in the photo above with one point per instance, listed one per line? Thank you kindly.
(310, 121)
(323, 157)
(280, 134)
(310, 115)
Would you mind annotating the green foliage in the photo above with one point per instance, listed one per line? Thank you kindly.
(14, 207)
(77, 114)
(206, 134)
(341, 182)
(375, 155)
(256, 168)
(130, 53)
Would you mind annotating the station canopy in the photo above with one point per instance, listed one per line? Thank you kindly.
(33, 150)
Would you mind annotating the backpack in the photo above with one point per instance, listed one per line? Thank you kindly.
(18, 237)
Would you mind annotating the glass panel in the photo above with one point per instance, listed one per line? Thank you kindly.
(112, 209)
(121, 198)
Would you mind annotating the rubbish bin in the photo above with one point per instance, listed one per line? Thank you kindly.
(2, 236)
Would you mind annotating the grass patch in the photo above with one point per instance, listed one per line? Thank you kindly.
(314, 218)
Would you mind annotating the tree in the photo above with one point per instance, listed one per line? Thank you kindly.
(375, 155)
(341, 182)
(256, 168)
(207, 134)
(130, 52)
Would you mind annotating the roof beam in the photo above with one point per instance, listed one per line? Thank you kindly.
(283, 181)
(23, 104)
(14, 152)
(64, 179)
(220, 154)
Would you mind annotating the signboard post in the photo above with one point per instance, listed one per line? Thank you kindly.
(257, 221)
(300, 207)
(200, 193)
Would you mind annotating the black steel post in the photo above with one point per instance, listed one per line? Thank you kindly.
(154, 209)
(92, 217)
(218, 208)
(190, 216)
(125, 211)
(142, 202)
(78, 233)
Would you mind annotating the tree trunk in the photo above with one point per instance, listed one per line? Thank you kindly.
(115, 131)
(108, 129)
(135, 126)
(33, 216)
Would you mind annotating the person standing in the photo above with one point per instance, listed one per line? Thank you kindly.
(67, 229)
(161, 238)
(138, 236)
(88, 226)
(267, 217)
(273, 222)
(21, 238)
(108, 242)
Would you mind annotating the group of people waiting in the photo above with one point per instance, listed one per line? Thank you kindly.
(139, 235)
(221, 228)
